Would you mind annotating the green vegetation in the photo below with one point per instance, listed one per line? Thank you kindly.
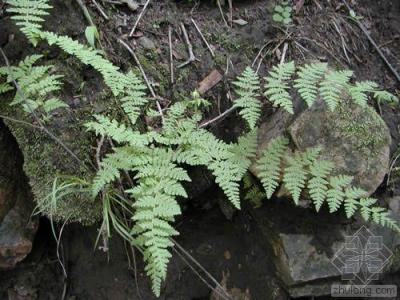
(283, 13)
(142, 175)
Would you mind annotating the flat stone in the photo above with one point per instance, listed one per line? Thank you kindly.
(146, 43)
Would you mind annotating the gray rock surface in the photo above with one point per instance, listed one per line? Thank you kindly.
(356, 139)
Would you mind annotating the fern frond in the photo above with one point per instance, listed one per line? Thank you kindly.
(242, 152)
(318, 184)
(385, 96)
(247, 87)
(310, 155)
(35, 85)
(295, 176)
(269, 165)
(335, 195)
(53, 104)
(156, 208)
(277, 86)
(351, 203)
(118, 132)
(359, 89)
(5, 87)
(333, 86)
(28, 15)
(134, 98)
(309, 77)
(123, 158)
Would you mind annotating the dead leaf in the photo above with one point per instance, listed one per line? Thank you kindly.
(133, 5)
(209, 81)
(240, 22)
(227, 255)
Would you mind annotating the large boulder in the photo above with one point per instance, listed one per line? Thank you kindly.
(355, 138)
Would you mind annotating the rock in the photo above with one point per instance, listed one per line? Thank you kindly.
(355, 138)
(146, 43)
(301, 249)
(17, 228)
(304, 249)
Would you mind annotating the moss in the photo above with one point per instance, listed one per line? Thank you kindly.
(45, 159)
(366, 128)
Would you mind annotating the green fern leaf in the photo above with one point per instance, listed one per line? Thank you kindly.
(336, 195)
(358, 91)
(28, 15)
(318, 184)
(295, 176)
(333, 87)
(118, 132)
(269, 165)
(351, 203)
(309, 77)
(277, 86)
(247, 87)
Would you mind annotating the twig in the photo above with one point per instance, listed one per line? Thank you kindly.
(130, 50)
(217, 290)
(230, 12)
(180, 248)
(393, 163)
(171, 56)
(259, 52)
(285, 47)
(100, 9)
(139, 17)
(191, 58)
(343, 41)
(85, 12)
(19, 121)
(364, 30)
(39, 121)
(203, 38)
(98, 151)
(222, 13)
(225, 113)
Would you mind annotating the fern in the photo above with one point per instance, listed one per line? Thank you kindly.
(156, 207)
(384, 96)
(277, 87)
(336, 194)
(309, 77)
(269, 165)
(333, 86)
(247, 87)
(231, 167)
(351, 203)
(118, 132)
(29, 16)
(359, 90)
(318, 184)
(295, 176)
(36, 86)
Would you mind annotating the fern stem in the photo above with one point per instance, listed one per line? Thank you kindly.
(226, 112)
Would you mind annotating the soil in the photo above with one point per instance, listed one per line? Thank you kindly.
(220, 245)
